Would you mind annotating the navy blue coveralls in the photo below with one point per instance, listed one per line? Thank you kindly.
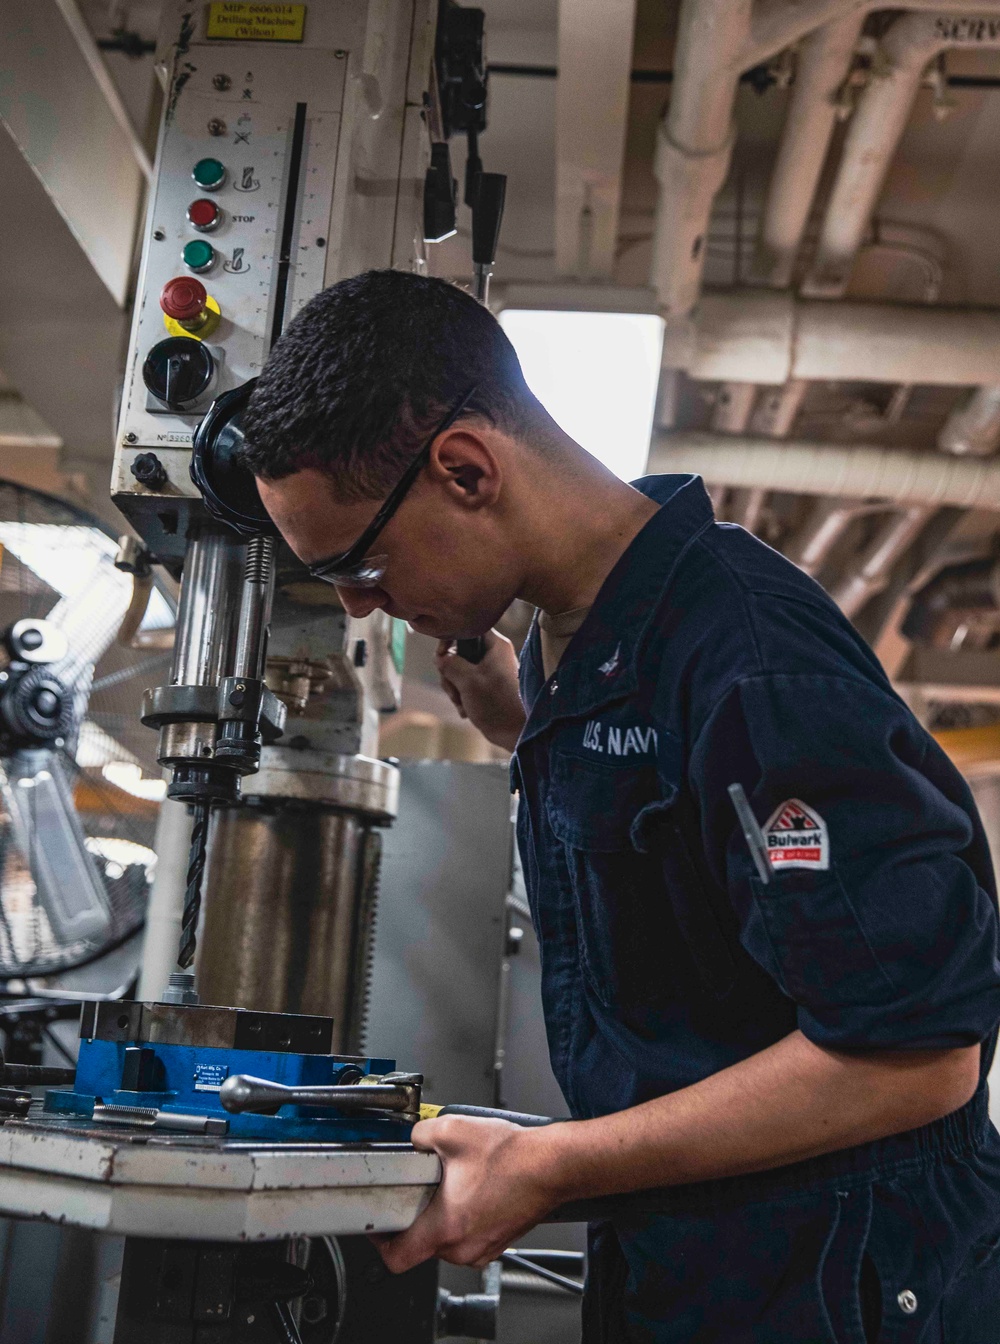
(709, 659)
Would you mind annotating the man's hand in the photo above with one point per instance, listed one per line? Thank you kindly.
(485, 692)
(493, 1190)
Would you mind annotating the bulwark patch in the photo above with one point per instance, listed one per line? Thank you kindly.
(797, 837)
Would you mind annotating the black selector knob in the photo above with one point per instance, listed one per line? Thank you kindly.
(178, 370)
(149, 471)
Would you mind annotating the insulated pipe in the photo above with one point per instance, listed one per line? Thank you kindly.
(753, 510)
(973, 428)
(898, 475)
(765, 337)
(733, 406)
(775, 413)
(777, 24)
(872, 574)
(730, 415)
(877, 128)
(716, 41)
(694, 143)
(829, 521)
(774, 416)
(823, 64)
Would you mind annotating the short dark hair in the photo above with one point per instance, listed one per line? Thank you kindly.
(365, 371)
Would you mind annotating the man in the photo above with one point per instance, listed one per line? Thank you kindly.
(794, 1047)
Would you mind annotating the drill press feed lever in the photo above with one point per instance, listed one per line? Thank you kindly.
(398, 1092)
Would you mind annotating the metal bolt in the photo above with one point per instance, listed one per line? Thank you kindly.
(217, 126)
(222, 83)
(130, 437)
(313, 1309)
(180, 988)
(907, 1301)
(158, 235)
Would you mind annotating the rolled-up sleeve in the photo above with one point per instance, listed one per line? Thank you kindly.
(879, 919)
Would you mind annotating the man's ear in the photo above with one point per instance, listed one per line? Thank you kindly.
(463, 461)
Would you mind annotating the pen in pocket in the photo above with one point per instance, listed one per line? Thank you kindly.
(752, 833)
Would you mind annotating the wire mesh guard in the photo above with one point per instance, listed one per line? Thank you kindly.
(78, 812)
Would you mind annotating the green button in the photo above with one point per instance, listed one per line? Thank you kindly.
(199, 255)
(209, 174)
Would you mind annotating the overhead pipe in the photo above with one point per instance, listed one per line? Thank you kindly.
(876, 129)
(956, 596)
(730, 415)
(973, 428)
(899, 476)
(871, 574)
(773, 416)
(733, 407)
(694, 143)
(762, 336)
(717, 40)
(777, 24)
(824, 61)
(828, 522)
(775, 413)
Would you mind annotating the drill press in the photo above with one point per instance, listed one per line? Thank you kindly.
(191, 1128)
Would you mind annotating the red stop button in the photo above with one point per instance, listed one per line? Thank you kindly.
(204, 215)
(183, 298)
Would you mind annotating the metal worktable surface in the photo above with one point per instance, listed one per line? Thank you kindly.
(217, 1190)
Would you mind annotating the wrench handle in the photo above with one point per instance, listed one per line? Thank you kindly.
(472, 650)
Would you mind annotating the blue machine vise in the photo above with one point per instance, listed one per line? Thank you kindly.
(173, 1059)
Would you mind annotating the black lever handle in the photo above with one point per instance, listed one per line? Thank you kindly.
(472, 650)
(487, 215)
(491, 1113)
(34, 1075)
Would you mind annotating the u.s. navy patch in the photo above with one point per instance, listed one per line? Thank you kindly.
(797, 837)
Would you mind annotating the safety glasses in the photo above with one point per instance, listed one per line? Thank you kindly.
(355, 568)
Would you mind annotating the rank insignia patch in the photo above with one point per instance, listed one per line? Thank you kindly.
(797, 837)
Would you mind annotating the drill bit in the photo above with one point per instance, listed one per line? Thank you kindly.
(192, 895)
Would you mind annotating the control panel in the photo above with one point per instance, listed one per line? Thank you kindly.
(263, 147)
(238, 227)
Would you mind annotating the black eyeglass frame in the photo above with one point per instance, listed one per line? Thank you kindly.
(351, 559)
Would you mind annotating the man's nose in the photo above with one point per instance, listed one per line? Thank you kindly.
(360, 602)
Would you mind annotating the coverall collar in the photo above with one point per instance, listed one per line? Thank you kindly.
(600, 663)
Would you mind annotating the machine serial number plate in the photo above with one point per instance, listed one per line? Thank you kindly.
(209, 1077)
(240, 21)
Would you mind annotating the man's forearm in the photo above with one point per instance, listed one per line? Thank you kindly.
(790, 1102)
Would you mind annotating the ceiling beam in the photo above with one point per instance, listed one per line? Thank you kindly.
(71, 129)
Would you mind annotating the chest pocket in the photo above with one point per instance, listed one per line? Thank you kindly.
(648, 928)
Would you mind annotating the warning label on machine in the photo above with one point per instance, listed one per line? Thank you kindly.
(797, 837)
(242, 21)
